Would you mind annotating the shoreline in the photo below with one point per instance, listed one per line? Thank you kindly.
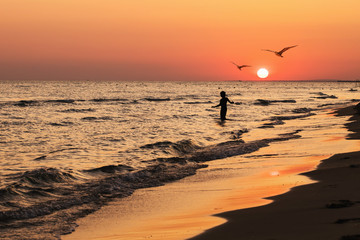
(178, 211)
(326, 209)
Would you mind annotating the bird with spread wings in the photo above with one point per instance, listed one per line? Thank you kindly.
(240, 66)
(279, 53)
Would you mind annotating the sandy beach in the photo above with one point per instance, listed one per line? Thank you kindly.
(327, 209)
(323, 209)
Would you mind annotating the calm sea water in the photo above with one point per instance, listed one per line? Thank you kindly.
(69, 147)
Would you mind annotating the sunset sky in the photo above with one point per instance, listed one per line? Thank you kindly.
(178, 40)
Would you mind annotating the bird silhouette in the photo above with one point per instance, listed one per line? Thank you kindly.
(279, 53)
(240, 66)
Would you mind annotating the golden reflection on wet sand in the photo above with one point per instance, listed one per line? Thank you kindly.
(183, 209)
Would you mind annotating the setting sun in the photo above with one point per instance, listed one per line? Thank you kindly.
(262, 73)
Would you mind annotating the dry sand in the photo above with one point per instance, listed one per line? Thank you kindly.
(328, 209)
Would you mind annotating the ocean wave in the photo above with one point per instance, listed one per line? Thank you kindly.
(264, 102)
(186, 96)
(96, 118)
(177, 160)
(157, 99)
(72, 202)
(15, 123)
(272, 123)
(28, 103)
(302, 110)
(322, 95)
(78, 110)
(282, 118)
(279, 120)
(328, 96)
(61, 124)
(62, 197)
(44, 176)
(61, 101)
(52, 152)
(109, 100)
(204, 102)
(25, 103)
(335, 104)
(235, 148)
(8, 192)
(238, 134)
(33, 187)
(165, 144)
(180, 147)
(110, 169)
(185, 147)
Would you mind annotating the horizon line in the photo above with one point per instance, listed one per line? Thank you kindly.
(185, 80)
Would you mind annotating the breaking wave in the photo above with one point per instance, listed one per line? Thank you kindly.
(54, 195)
(181, 147)
(279, 120)
(57, 196)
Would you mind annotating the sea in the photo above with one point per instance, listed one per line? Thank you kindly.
(67, 148)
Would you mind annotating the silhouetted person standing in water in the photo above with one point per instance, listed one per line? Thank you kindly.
(223, 102)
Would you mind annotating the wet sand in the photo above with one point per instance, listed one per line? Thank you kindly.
(183, 209)
(327, 209)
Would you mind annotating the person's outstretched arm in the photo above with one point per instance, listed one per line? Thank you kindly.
(216, 106)
(230, 101)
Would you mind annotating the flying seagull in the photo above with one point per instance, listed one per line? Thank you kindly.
(240, 66)
(279, 53)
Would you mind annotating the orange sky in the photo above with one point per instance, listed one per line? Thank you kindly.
(178, 40)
